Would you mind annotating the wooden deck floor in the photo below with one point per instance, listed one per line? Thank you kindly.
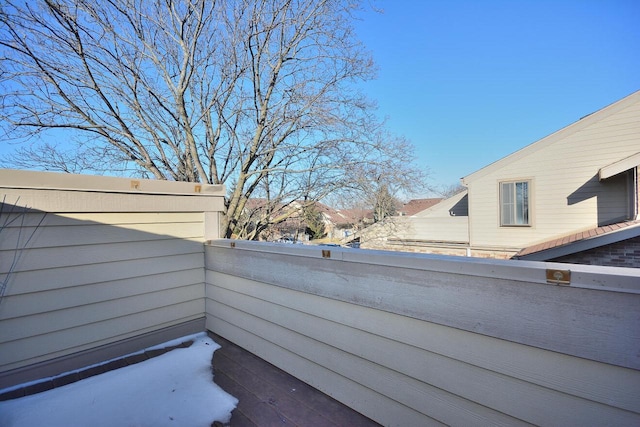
(269, 396)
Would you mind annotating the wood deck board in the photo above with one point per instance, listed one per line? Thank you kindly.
(268, 396)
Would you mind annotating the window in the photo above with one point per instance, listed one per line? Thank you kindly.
(514, 203)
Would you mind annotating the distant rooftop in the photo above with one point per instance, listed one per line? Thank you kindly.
(414, 206)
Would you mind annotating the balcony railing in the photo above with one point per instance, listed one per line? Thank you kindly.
(414, 339)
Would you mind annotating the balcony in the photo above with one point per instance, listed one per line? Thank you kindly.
(403, 339)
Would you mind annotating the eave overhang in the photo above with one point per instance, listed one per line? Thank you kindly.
(620, 166)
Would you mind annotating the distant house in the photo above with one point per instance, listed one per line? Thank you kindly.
(292, 226)
(561, 190)
(441, 228)
(342, 223)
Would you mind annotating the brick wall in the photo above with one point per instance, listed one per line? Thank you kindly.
(621, 254)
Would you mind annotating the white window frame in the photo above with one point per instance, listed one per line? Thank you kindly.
(515, 203)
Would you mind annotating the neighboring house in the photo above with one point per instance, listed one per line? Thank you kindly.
(288, 217)
(442, 228)
(578, 179)
(342, 223)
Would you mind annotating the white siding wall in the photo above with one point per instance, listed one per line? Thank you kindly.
(103, 266)
(424, 340)
(437, 224)
(423, 231)
(435, 229)
(565, 195)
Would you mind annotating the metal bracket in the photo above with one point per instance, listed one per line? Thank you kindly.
(559, 277)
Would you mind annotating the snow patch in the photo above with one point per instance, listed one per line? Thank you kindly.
(173, 389)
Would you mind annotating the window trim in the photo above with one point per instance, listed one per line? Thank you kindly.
(501, 202)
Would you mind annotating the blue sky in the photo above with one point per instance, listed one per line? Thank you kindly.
(469, 82)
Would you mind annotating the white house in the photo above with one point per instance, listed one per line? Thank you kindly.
(576, 180)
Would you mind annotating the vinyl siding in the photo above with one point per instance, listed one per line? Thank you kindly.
(102, 267)
(566, 195)
(454, 229)
(83, 284)
(407, 340)
(437, 224)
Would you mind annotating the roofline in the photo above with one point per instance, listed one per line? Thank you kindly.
(439, 200)
(558, 135)
(584, 244)
(458, 195)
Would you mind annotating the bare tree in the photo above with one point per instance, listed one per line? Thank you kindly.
(447, 191)
(259, 95)
(385, 180)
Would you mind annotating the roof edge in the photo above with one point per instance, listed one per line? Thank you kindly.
(572, 128)
(452, 199)
(584, 244)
